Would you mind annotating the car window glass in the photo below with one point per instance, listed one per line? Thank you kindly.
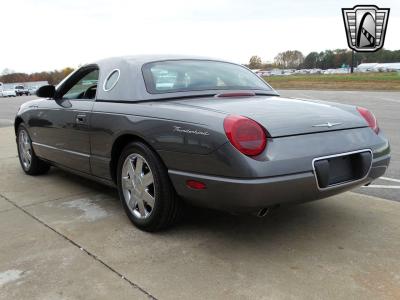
(111, 80)
(85, 88)
(197, 75)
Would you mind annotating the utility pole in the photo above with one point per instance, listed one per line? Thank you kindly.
(352, 61)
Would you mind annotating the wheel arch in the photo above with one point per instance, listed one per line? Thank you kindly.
(117, 147)
(17, 122)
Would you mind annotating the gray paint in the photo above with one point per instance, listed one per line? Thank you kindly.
(282, 173)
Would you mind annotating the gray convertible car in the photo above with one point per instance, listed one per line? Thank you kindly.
(166, 130)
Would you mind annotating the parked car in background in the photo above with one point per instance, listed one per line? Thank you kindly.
(21, 90)
(32, 90)
(9, 93)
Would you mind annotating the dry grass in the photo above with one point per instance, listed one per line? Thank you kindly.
(356, 81)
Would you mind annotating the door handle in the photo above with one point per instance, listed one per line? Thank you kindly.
(80, 118)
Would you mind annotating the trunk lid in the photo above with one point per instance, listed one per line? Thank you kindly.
(284, 116)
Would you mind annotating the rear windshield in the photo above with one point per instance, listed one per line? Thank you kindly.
(20, 87)
(198, 75)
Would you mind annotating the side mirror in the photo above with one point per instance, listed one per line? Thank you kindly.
(46, 91)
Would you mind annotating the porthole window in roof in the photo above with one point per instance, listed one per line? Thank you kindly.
(111, 80)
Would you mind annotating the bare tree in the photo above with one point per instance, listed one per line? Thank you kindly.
(52, 77)
(7, 71)
(289, 59)
(255, 62)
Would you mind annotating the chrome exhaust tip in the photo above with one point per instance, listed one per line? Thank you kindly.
(263, 212)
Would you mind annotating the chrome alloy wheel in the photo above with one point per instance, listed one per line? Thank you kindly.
(138, 186)
(25, 149)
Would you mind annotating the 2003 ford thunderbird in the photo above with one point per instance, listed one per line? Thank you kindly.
(166, 129)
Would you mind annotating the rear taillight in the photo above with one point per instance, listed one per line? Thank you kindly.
(245, 135)
(370, 118)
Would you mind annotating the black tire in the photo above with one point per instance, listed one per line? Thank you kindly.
(36, 166)
(167, 205)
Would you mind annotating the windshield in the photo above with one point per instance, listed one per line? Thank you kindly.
(199, 75)
(19, 87)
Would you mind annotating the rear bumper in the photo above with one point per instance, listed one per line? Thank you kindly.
(249, 195)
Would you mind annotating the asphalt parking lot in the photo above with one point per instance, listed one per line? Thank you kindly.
(64, 237)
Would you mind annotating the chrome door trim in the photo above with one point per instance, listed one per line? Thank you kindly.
(59, 149)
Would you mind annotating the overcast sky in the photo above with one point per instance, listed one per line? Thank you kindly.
(39, 35)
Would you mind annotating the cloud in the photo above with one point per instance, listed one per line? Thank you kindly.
(48, 35)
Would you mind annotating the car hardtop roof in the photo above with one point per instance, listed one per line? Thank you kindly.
(133, 88)
(144, 59)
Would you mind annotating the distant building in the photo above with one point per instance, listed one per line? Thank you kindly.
(376, 67)
(366, 67)
(388, 67)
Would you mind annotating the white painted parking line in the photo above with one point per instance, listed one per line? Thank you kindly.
(380, 186)
(390, 179)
